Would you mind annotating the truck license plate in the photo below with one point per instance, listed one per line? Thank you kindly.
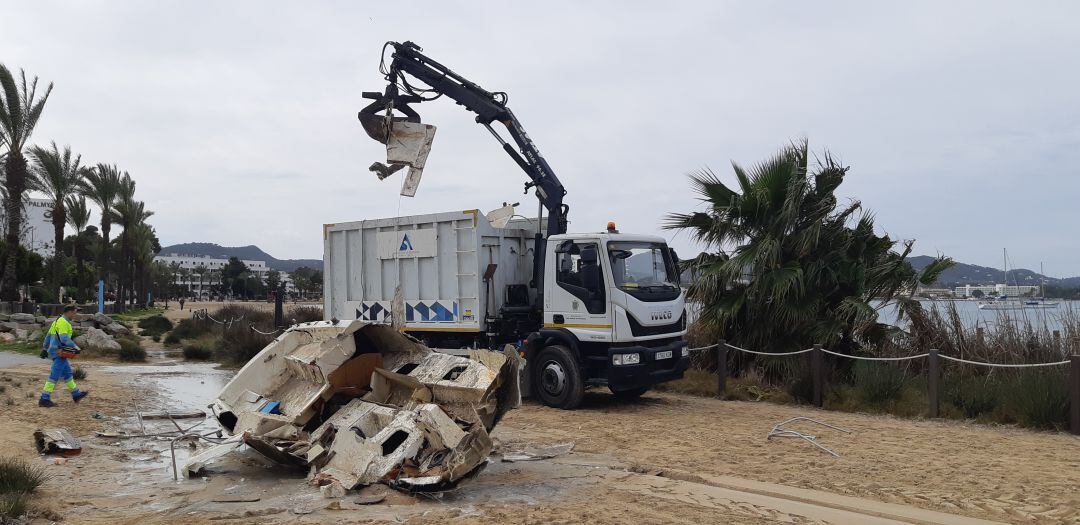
(663, 355)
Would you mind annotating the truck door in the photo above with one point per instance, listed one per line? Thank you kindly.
(577, 300)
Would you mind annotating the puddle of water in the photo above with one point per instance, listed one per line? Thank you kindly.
(11, 359)
(184, 387)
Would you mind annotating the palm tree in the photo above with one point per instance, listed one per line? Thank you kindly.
(789, 269)
(174, 272)
(103, 187)
(128, 213)
(143, 241)
(200, 270)
(20, 109)
(78, 216)
(185, 279)
(58, 175)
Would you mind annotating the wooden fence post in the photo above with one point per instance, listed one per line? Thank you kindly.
(933, 380)
(817, 370)
(721, 368)
(1074, 394)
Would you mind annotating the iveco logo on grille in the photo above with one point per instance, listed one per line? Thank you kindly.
(660, 316)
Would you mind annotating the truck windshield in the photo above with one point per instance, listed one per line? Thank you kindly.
(641, 266)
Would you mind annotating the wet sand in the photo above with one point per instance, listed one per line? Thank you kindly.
(664, 459)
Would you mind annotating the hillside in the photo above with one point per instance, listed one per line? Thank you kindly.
(962, 274)
(251, 252)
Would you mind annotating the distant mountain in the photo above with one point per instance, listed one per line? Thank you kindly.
(962, 274)
(251, 253)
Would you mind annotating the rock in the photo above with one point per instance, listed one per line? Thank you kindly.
(41, 319)
(7, 337)
(5, 317)
(35, 335)
(82, 318)
(101, 319)
(97, 339)
(8, 326)
(20, 333)
(116, 328)
(22, 318)
(28, 327)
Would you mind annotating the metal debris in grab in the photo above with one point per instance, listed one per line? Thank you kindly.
(780, 431)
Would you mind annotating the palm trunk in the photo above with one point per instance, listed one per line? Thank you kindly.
(103, 264)
(15, 182)
(59, 219)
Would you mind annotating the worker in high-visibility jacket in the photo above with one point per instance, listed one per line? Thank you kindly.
(60, 348)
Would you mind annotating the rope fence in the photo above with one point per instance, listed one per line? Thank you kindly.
(205, 315)
(817, 371)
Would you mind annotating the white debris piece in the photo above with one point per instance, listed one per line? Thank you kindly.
(361, 403)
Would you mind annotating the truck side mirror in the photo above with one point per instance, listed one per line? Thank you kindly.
(565, 246)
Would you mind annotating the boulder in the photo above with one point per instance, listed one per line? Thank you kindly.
(22, 318)
(8, 326)
(5, 317)
(35, 335)
(101, 319)
(81, 318)
(41, 319)
(29, 327)
(20, 333)
(7, 337)
(116, 328)
(97, 339)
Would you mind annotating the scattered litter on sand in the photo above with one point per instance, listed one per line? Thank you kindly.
(57, 441)
(779, 431)
(357, 403)
(533, 453)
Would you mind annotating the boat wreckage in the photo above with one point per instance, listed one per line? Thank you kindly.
(359, 403)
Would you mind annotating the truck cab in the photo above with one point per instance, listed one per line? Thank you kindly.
(613, 315)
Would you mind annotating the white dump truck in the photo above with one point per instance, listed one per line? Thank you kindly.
(612, 311)
(588, 309)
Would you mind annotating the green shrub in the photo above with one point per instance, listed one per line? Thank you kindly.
(41, 294)
(201, 348)
(974, 396)
(877, 383)
(13, 506)
(1038, 398)
(20, 476)
(172, 339)
(155, 325)
(189, 329)
(156, 338)
(798, 381)
(130, 350)
(239, 343)
(78, 374)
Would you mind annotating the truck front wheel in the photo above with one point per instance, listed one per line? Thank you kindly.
(556, 378)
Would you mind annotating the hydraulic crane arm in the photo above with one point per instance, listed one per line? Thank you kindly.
(489, 107)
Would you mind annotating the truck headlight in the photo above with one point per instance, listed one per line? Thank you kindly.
(626, 359)
(685, 352)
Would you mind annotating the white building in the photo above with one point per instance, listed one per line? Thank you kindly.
(996, 290)
(37, 234)
(213, 266)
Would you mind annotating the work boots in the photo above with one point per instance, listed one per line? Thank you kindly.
(47, 403)
(76, 396)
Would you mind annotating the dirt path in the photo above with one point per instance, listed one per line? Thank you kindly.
(664, 459)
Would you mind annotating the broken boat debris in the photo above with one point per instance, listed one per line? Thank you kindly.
(360, 403)
(57, 441)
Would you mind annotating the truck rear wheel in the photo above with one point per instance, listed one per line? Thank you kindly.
(556, 378)
(630, 393)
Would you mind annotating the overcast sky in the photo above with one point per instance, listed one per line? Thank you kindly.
(961, 121)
